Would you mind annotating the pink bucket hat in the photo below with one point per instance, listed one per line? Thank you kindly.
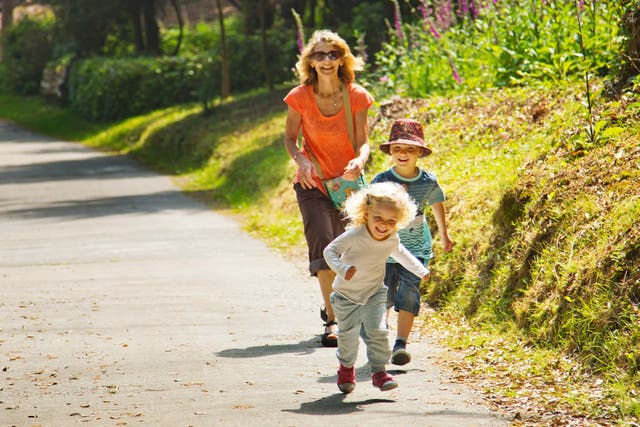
(406, 131)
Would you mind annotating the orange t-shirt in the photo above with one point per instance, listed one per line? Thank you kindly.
(326, 136)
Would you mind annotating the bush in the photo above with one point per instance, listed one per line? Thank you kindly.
(28, 45)
(108, 89)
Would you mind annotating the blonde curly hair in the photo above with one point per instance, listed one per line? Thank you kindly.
(390, 193)
(350, 63)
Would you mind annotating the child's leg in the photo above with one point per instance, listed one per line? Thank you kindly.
(349, 317)
(405, 324)
(391, 282)
(376, 337)
(374, 331)
(407, 304)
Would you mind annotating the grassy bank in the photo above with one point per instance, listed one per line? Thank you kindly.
(542, 290)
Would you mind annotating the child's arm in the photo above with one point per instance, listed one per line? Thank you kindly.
(332, 256)
(439, 214)
(410, 262)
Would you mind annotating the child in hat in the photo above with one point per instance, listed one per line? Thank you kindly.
(406, 144)
(359, 297)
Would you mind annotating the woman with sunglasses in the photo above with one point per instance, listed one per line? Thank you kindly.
(316, 108)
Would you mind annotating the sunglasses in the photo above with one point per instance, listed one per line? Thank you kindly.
(321, 56)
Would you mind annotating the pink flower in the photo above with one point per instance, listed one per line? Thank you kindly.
(454, 72)
(434, 31)
(397, 20)
(384, 79)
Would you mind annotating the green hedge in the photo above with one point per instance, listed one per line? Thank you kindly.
(28, 45)
(108, 89)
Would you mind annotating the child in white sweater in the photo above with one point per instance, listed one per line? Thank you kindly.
(359, 257)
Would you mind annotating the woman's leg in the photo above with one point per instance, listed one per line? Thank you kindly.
(322, 224)
(325, 277)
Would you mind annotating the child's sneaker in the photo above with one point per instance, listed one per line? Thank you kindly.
(383, 381)
(400, 356)
(346, 379)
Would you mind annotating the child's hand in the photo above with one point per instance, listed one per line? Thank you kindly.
(350, 273)
(426, 277)
(447, 244)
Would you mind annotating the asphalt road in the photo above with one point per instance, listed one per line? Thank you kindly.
(124, 302)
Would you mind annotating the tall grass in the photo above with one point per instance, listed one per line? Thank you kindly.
(495, 43)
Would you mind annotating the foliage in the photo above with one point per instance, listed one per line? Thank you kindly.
(497, 44)
(107, 89)
(111, 88)
(246, 59)
(28, 46)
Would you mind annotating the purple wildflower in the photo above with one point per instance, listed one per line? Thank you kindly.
(463, 8)
(384, 79)
(396, 16)
(474, 8)
(426, 16)
(300, 30)
(362, 48)
(454, 72)
(434, 31)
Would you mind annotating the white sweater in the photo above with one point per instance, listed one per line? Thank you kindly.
(356, 247)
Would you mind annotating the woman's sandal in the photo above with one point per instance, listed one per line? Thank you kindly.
(329, 338)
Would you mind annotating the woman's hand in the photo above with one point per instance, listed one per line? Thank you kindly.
(306, 172)
(354, 168)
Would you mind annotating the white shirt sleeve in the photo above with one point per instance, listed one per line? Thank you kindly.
(408, 261)
(333, 251)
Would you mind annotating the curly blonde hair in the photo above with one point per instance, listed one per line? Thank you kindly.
(350, 63)
(391, 193)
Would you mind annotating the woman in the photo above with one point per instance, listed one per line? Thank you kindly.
(325, 67)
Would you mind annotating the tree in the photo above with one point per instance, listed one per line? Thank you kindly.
(263, 50)
(7, 21)
(226, 84)
(151, 28)
(631, 56)
(176, 8)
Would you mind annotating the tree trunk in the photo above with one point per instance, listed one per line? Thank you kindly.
(7, 21)
(263, 51)
(151, 30)
(226, 84)
(136, 15)
(176, 7)
(631, 28)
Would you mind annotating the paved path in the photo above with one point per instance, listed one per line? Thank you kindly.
(123, 303)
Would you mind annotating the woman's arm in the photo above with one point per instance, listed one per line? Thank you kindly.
(361, 129)
(292, 130)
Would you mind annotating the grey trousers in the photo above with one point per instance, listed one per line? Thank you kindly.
(366, 321)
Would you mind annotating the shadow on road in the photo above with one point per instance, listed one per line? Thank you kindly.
(335, 405)
(94, 167)
(302, 348)
(119, 205)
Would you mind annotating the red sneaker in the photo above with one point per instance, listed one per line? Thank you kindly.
(383, 381)
(346, 379)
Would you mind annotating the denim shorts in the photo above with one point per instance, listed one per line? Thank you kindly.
(403, 288)
(322, 223)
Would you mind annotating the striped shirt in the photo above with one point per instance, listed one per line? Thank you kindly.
(423, 189)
